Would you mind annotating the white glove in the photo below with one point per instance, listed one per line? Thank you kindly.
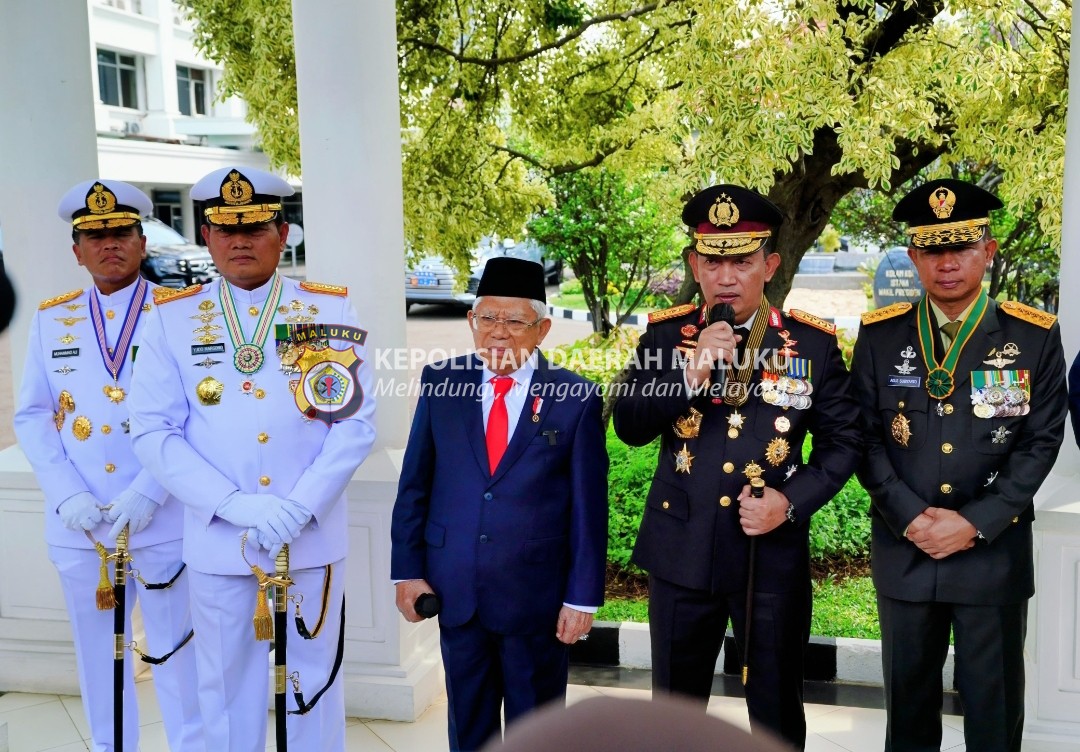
(275, 519)
(80, 512)
(130, 508)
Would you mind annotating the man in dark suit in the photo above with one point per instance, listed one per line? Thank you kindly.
(722, 429)
(501, 510)
(963, 410)
(1074, 398)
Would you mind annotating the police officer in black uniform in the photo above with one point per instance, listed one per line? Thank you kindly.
(781, 377)
(963, 409)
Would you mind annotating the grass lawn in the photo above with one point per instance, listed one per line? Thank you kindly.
(569, 300)
(845, 609)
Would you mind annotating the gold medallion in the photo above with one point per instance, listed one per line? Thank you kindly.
(110, 315)
(260, 393)
(296, 305)
(683, 460)
(67, 402)
(983, 410)
(82, 428)
(253, 310)
(114, 393)
(686, 426)
(209, 391)
(283, 309)
(782, 424)
(752, 470)
(206, 305)
(776, 451)
(901, 429)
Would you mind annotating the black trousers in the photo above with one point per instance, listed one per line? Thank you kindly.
(989, 668)
(687, 629)
(487, 671)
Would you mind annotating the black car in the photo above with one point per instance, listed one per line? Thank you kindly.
(171, 260)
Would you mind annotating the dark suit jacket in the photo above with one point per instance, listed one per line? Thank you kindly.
(514, 546)
(991, 483)
(688, 535)
(1074, 397)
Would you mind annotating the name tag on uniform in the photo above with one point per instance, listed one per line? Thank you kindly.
(207, 349)
(68, 352)
(906, 381)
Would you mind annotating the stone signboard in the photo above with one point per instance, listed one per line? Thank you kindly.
(896, 279)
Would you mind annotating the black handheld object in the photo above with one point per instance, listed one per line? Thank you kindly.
(427, 605)
(721, 312)
(757, 488)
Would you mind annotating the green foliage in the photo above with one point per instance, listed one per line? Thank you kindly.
(629, 476)
(612, 235)
(840, 530)
(805, 99)
(846, 608)
(599, 359)
(829, 239)
(624, 609)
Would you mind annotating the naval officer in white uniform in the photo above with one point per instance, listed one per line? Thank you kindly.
(72, 422)
(253, 406)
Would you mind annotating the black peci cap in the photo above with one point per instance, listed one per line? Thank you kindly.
(508, 277)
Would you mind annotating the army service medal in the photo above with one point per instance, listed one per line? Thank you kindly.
(782, 424)
(776, 451)
(248, 356)
(114, 393)
(209, 391)
(939, 379)
(683, 460)
(688, 426)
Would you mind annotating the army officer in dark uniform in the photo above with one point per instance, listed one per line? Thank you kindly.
(720, 428)
(963, 410)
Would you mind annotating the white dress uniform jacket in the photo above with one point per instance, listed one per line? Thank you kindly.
(63, 358)
(254, 438)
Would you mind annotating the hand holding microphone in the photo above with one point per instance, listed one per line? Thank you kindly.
(715, 347)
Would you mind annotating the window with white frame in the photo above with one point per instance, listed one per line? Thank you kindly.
(117, 82)
(132, 6)
(192, 86)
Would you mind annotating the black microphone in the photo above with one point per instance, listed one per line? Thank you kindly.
(427, 605)
(721, 312)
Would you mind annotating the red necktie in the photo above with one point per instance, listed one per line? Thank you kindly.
(498, 423)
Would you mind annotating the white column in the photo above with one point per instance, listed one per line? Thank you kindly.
(1053, 644)
(47, 144)
(346, 69)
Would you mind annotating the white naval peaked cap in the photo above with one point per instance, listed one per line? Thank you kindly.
(235, 196)
(100, 204)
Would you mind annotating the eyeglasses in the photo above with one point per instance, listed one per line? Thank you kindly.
(484, 323)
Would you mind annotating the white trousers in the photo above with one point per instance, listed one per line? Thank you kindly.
(234, 669)
(167, 620)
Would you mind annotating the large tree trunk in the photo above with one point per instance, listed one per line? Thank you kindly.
(808, 194)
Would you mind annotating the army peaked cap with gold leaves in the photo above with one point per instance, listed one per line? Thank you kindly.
(946, 213)
(730, 220)
(232, 196)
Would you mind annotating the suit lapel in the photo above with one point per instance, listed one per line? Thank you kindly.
(527, 429)
(473, 410)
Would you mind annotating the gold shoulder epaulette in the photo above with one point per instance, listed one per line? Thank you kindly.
(670, 313)
(888, 312)
(1029, 314)
(325, 289)
(59, 299)
(814, 321)
(163, 295)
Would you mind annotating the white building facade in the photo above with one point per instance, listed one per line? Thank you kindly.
(159, 122)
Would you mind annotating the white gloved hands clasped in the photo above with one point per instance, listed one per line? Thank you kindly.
(130, 508)
(271, 520)
(80, 512)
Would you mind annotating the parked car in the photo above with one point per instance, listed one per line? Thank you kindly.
(527, 249)
(432, 281)
(171, 260)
